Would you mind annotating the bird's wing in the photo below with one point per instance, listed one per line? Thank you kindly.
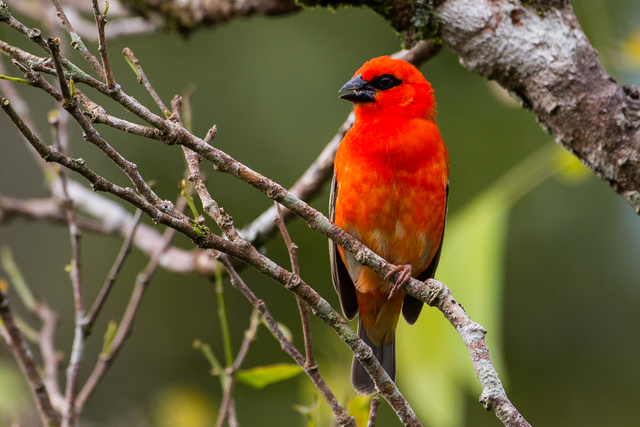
(339, 274)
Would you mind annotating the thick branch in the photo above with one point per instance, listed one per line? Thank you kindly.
(186, 16)
(544, 58)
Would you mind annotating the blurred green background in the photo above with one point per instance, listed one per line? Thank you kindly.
(549, 266)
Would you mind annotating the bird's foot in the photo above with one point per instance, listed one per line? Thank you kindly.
(405, 271)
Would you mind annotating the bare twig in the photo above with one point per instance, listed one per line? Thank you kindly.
(22, 108)
(24, 357)
(50, 357)
(90, 318)
(101, 22)
(227, 400)
(44, 337)
(302, 307)
(69, 414)
(76, 41)
(142, 78)
(233, 421)
(373, 413)
(79, 166)
(124, 329)
(341, 416)
(224, 322)
(112, 218)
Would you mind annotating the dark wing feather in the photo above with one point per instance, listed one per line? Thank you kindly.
(339, 274)
(411, 306)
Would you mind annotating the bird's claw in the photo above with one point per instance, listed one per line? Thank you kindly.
(405, 274)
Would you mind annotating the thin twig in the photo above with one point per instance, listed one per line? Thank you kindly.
(112, 219)
(142, 78)
(54, 47)
(373, 413)
(341, 416)
(69, 418)
(210, 206)
(227, 400)
(44, 337)
(125, 250)
(22, 108)
(69, 103)
(126, 323)
(233, 421)
(302, 307)
(50, 357)
(101, 21)
(98, 183)
(76, 41)
(249, 339)
(24, 357)
(142, 283)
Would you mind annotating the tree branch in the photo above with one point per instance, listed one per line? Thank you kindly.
(126, 324)
(186, 16)
(91, 317)
(543, 57)
(341, 416)
(24, 357)
(292, 248)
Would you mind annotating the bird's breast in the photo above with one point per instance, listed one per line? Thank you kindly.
(393, 198)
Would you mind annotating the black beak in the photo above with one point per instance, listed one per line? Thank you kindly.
(360, 90)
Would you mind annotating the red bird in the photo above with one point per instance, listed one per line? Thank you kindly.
(390, 188)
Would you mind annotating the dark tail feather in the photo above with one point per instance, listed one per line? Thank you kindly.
(386, 355)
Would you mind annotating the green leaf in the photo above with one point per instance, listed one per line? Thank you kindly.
(261, 376)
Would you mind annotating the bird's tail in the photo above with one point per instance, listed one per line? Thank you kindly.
(386, 355)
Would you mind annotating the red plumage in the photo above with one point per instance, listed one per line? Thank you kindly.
(390, 191)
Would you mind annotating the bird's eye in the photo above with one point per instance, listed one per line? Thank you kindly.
(385, 81)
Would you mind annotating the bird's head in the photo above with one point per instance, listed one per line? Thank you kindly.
(390, 86)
